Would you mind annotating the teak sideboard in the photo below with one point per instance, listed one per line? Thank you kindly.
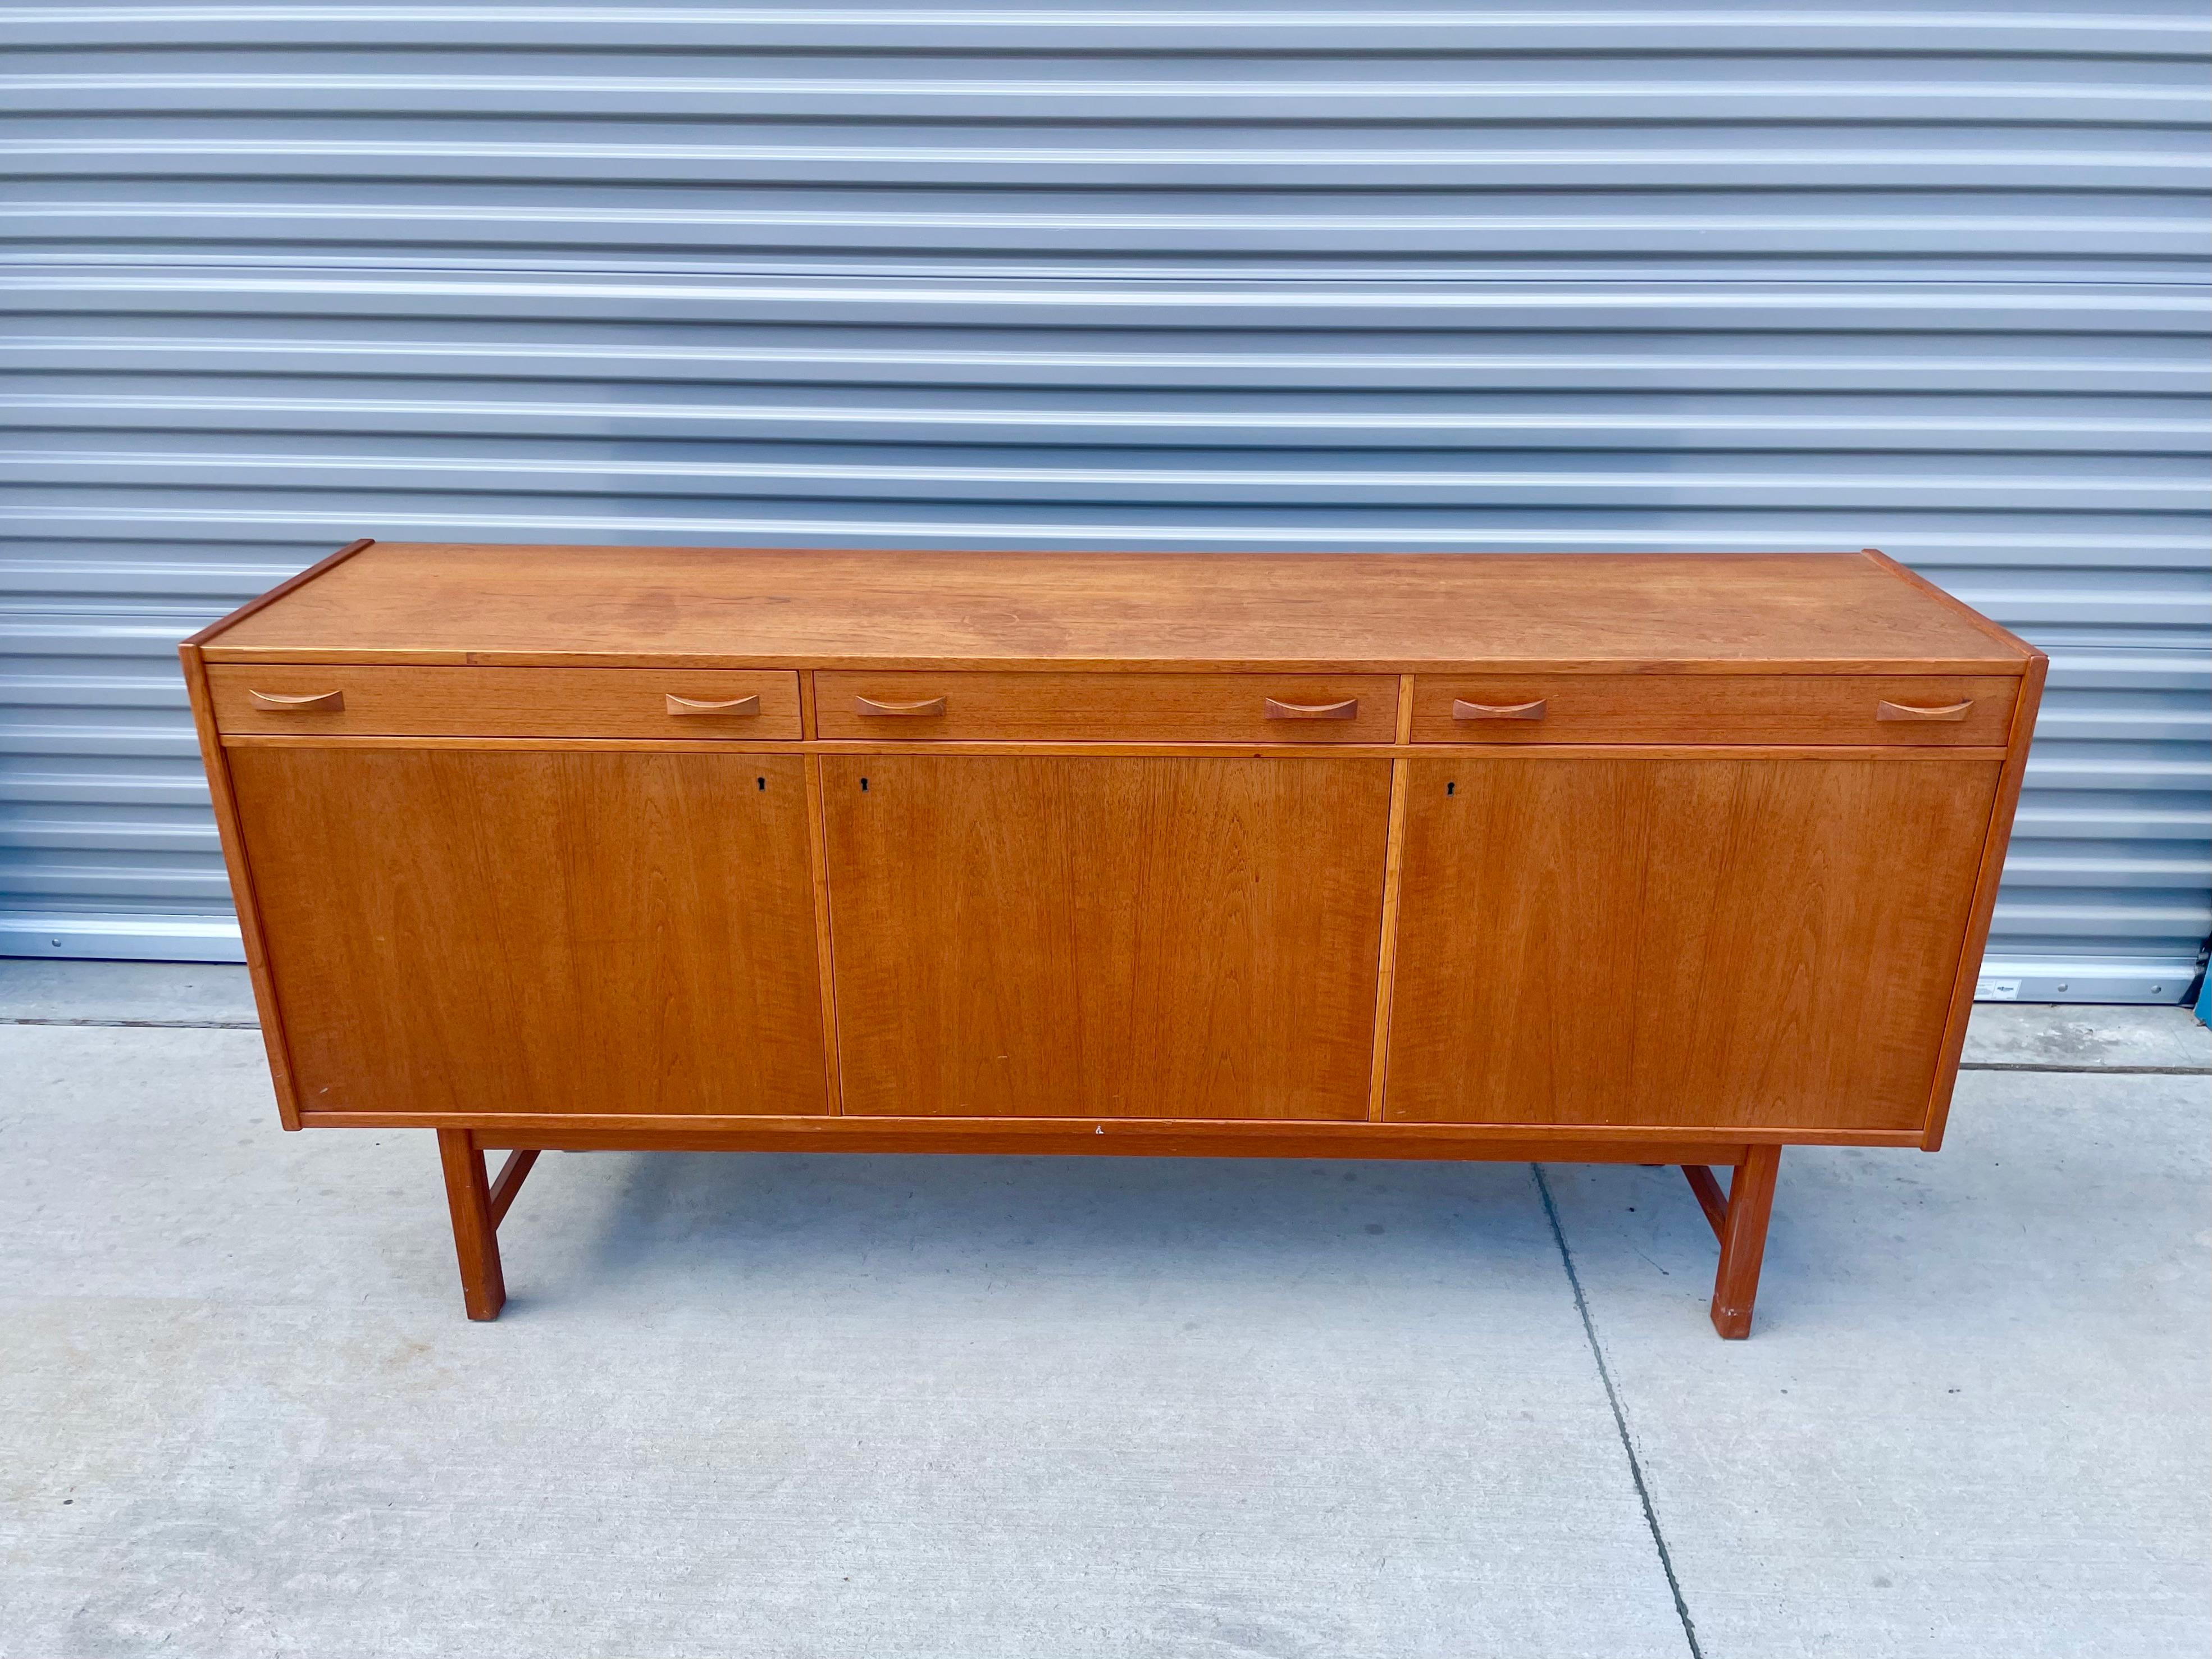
(1656, 859)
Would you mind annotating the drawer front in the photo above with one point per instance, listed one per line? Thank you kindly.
(351, 701)
(921, 706)
(1906, 711)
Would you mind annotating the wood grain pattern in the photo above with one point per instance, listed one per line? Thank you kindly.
(1120, 708)
(1995, 631)
(1984, 902)
(1347, 1136)
(1111, 1138)
(242, 892)
(522, 702)
(1658, 943)
(1111, 750)
(453, 931)
(825, 947)
(476, 1232)
(699, 607)
(1124, 938)
(807, 727)
(1743, 1241)
(1702, 708)
(1386, 973)
(291, 584)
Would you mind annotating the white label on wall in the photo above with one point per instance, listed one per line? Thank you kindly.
(1997, 990)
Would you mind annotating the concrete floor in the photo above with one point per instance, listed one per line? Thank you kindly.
(975, 1407)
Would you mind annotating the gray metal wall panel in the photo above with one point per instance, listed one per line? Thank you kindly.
(1738, 278)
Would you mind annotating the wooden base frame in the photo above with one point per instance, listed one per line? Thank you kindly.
(479, 1202)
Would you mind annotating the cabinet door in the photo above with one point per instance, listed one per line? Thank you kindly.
(1060, 937)
(456, 930)
(1727, 942)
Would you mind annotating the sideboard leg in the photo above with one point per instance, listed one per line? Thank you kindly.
(1743, 1241)
(475, 1236)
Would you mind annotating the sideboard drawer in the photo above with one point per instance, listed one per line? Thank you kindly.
(1906, 711)
(1133, 707)
(355, 700)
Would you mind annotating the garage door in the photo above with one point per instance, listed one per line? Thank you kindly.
(1220, 277)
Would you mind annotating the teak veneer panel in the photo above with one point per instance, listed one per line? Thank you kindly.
(1666, 943)
(1716, 613)
(508, 702)
(1105, 937)
(1047, 708)
(454, 931)
(1823, 709)
(1109, 1137)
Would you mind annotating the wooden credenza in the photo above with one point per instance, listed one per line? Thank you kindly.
(1654, 858)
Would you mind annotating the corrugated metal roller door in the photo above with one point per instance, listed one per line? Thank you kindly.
(1223, 277)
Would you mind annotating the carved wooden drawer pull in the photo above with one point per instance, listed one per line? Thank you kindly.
(1348, 709)
(1463, 710)
(315, 703)
(927, 708)
(1905, 711)
(748, 705)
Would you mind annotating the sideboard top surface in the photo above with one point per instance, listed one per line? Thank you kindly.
(1725, 612)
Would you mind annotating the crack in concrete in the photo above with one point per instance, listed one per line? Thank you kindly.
(1619, 1418)
(2084, 1071)
(141, 1024)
